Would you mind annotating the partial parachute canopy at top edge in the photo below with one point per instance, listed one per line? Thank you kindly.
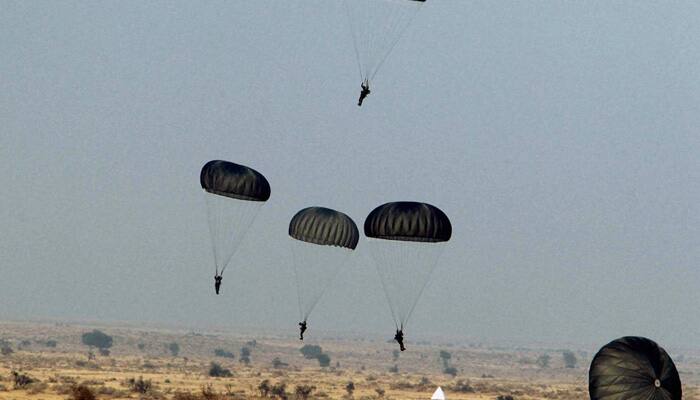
(323, 226)
(228, 179)
(408, 221)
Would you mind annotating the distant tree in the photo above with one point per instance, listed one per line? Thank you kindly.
(323, 360)
(252, 343)
(569, 359)
(277, 363)
(245, 355)
(141, 346)
(6, 350)
(394, 369)
(311, 351)
(97, 339)
(303, 392)
(350, 388)
(223, 353)
(264, 388)
(396, 355)
(216, 370)
(51, 343)
(174, 349)
(543, 361)
(445, 356)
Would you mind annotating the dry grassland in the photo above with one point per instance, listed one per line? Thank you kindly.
(140, 357)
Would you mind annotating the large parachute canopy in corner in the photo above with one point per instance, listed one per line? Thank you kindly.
(324, 241)
(234, 194)
(406, 240)
(633, 368)
(377, 26)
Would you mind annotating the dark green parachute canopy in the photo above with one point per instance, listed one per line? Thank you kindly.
(324, 226)
(225, 178)
(633, 368)
(408, 221)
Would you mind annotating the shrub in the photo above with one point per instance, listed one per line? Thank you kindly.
(216, 370)
(97, 339)
(208, 393)
(394, 369)
(104, 352)
(505, 397)
(279, 390)
(277, 363)
(174, 349)
(380, 392)
(569, 359)
(303, 391)
(185, 396)
(223, 353)
(543, 361)
(21, 380)
(323, 360)
(139, 385)
(51, 343)
(81, 392)
(462, 387)
(452, 371)
(350, 388)
(311, 351)
(264, 388)
(141, 346)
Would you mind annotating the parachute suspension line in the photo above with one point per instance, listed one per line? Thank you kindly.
(432, 267)
(402, 28)
(243, 223)
(354, 39)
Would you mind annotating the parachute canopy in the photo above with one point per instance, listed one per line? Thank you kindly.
(234, 194)
(633, 368)
(225, 178)
(323, 226)
(406, 240)
(408, 221)
(324, 241)
(377, 26)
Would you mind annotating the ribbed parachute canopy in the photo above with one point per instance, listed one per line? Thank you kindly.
(406, 240)
(323, 241)
(324, 226)
(234, 194)
(633, 368)
(234, 180)
(409, 221)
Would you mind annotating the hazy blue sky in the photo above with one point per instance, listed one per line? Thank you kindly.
(562, 139)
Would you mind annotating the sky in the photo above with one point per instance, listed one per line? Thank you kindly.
(561, 138)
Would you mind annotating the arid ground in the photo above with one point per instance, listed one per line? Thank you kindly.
(145, 364)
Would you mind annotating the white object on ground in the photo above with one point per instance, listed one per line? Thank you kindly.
(438, 395)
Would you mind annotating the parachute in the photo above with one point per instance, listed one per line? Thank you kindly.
(633, 368)
(377, 26)
(323, 241)
(234, 194)
(406, 240)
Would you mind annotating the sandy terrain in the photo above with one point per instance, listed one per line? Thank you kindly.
(481, 372)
